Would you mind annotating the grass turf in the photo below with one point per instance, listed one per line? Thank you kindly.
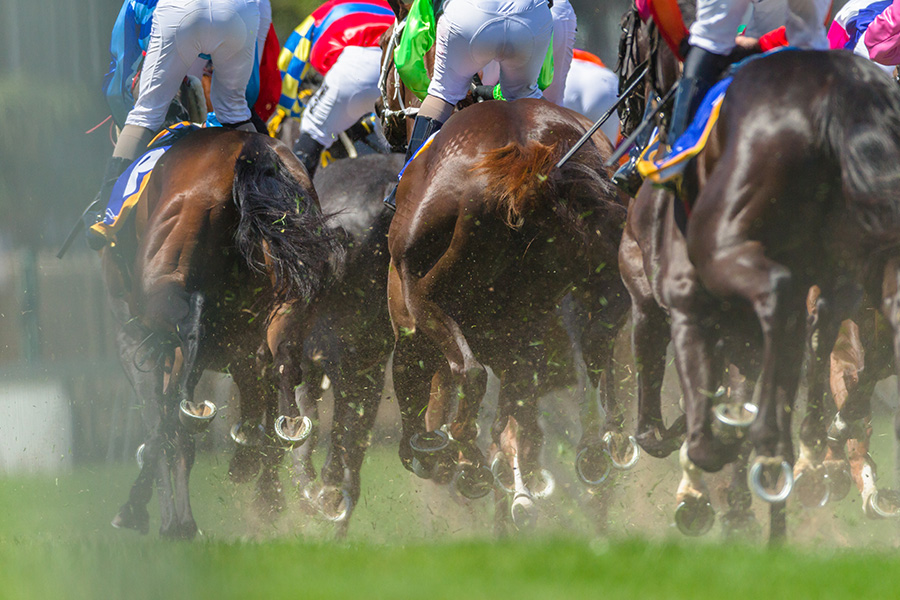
(406, 541)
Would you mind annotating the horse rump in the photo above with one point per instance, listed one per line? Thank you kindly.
(282, 231)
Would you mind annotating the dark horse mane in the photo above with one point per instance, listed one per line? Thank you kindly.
(300, 250)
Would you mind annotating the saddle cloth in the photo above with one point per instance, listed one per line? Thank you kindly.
(660, 169)
(130, 185)
(691, 142)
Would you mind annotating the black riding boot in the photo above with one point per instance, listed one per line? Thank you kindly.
(701, 71)
(308, 151)
(423, 129)
(115, 166)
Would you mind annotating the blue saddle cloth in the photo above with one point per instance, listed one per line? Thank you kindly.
(660, 169)
(128, 187)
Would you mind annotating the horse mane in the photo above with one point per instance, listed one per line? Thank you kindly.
(281, 232)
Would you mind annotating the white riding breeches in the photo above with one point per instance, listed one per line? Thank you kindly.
(717, 22)
(226, 30)
(564, 23)
(591, 90)
(472, 33)
(349, 91)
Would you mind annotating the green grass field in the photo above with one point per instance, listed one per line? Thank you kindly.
(411, 540)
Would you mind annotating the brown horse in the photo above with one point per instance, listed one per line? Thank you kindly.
(762, 232)
(219, 269)
(487, 239)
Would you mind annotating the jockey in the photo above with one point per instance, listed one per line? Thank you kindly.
(340, 40)
(470, 34)
(707, 48)
(175, 33)
(591, 89)
(882, 38)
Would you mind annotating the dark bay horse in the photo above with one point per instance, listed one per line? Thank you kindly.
(350, 338)
(794, 189)
(218, 269)
(487, 239)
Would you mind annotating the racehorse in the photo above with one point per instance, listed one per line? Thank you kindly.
(219, 268)
(487, 239)
(762, 232)
(350, 338)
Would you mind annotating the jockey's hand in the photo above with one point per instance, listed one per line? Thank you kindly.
(750, 44)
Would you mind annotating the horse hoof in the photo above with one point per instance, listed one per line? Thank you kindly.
(139, 455)
(130, 517)
(334, 503)
(740, 524)
(421, 470)
(269, 500)
(293, 430)
(593, 465)
(245, 434)
(429, 442)
(184, 531)
(884, 504)
(613, 443)
(548, 487)
(840, 481)
(472, 481)
(812, 488)
(694, 516)
(733, 415)
(504, 478)
(196, 417)
(523, 512)
(764, 467)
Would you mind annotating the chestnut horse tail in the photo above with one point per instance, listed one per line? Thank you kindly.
(519, 176)
(523, 178)
(863, 131)
(282, 231)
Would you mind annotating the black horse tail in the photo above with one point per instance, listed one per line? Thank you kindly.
(862, 125)
(282, 231)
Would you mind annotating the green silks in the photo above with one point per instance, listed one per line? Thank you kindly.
(417, 39)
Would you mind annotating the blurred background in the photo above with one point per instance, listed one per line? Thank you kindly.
(63, 397)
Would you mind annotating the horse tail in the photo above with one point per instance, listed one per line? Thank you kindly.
(518, 176)
(523, 178)
(282, 231)
(863, 130)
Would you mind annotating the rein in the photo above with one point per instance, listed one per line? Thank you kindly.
(387, 65)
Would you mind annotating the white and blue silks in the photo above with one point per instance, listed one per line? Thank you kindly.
(128, 43)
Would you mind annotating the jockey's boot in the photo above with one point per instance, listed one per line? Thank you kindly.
(308, 151)
(701, 71)
(423, 128)
(627, 178)
(115, 166)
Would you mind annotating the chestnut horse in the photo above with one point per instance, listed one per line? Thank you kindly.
(487, 239)
(218, 269)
